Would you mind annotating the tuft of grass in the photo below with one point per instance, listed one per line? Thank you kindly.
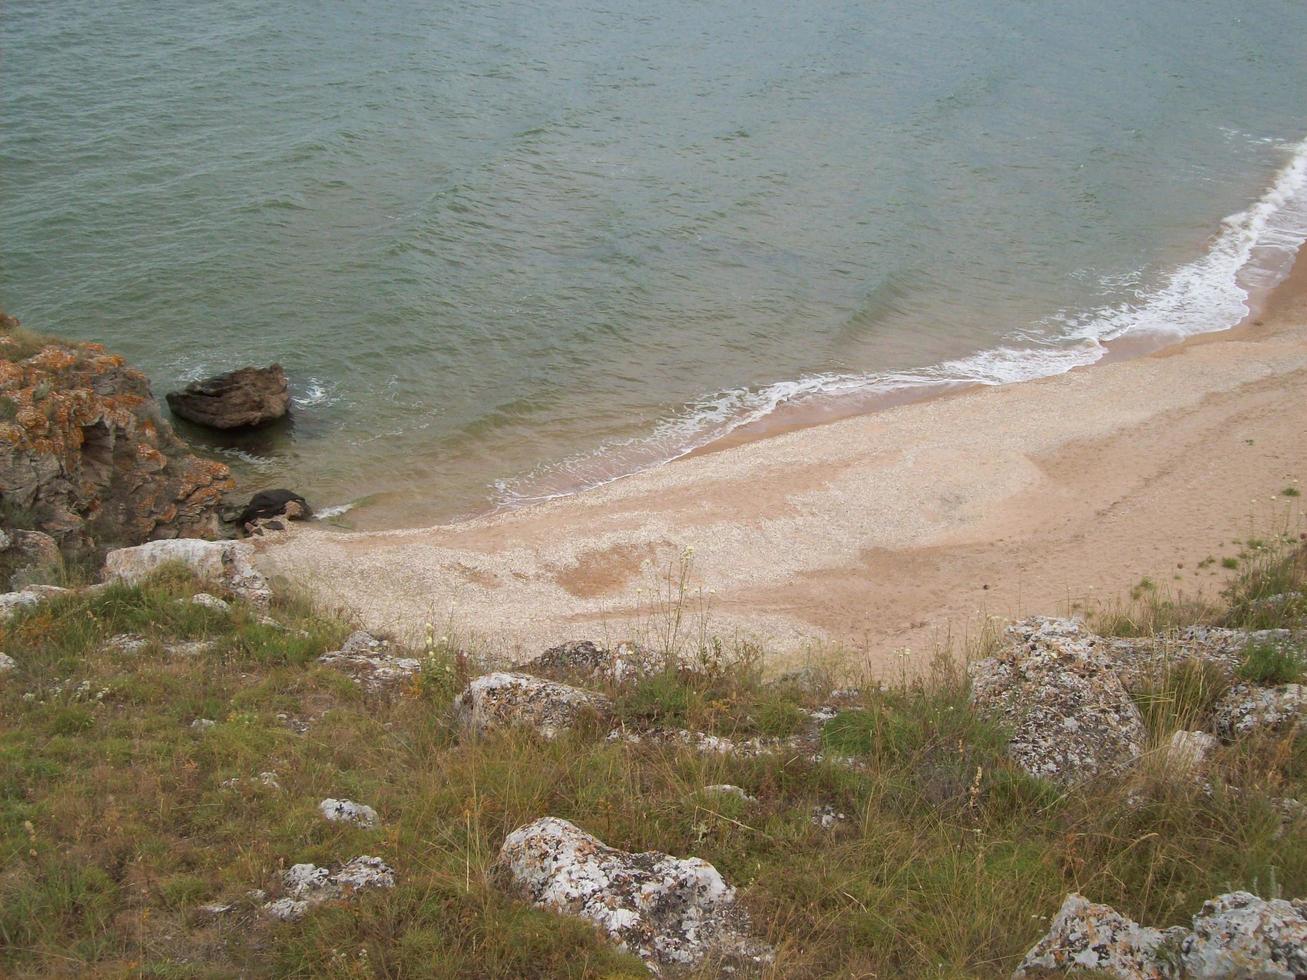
(1271, 665)
(1291, 491)
(1181, 699)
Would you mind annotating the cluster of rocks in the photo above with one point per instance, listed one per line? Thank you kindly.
(1233, 935)
(307, 885)
(1064, 693)
(83, 444)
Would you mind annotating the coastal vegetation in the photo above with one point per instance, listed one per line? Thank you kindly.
(163, 757)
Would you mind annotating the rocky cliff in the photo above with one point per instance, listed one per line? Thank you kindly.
(85, 455)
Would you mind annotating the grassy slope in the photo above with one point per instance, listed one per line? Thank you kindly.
(115, 826)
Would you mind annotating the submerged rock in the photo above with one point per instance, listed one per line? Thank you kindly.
(507, 699)
(230, 563)
(1070, 717)
(1245, 709)
(269, 504)
(84, 441)
(239, 399)
(674, 913)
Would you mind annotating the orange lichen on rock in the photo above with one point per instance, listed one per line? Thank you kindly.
(82, 439)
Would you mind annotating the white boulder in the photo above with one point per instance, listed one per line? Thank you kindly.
(674, 913)
(307, 885)
(347, 811)
(229, 562)
(505, 699)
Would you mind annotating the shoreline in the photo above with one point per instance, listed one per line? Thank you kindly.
(881, 530)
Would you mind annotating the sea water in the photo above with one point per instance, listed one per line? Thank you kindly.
(509, 250)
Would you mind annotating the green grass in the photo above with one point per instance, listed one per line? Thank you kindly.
(115, 825)
(1271, 665)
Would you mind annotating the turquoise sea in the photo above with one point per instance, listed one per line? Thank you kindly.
(507, 250)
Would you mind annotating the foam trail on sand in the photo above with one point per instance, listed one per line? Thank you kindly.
(1249, 256)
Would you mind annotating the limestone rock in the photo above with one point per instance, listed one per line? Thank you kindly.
(347, 811)
(1244, 709)
(7, 663)
(1241, 935)
(84, 442)
(307, 885)
(727, 789)
(548, 707)
(230, 563)
(211, 602)
(1087, 936)
(1236, 935)
(584, 660)
(238, 399)
(673, 913)
(699, 741)
(30, 557)
(1187, 751)
(368, 660)
(12, 602)
(1070, 717)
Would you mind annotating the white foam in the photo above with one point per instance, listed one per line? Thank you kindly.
(326, 513)
(315, 393)
(1252, 252)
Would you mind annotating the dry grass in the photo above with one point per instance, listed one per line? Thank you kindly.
(115, 825)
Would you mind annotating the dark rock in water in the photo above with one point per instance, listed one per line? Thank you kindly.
(275, 503)
(84, 450)
(237, 400)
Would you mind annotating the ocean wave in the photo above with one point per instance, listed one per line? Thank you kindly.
(1251, 253)
(314, 393)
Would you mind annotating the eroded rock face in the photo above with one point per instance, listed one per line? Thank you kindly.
(238, 399)
(1245, 709)
(1089, 936)
(228, 562)
(307, 885)
(674, 913)
(506, 699)
(1070, 716)
(368, 660)
(82, 442)
(1236, 935)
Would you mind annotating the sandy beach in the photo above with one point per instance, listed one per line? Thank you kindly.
(886, 531)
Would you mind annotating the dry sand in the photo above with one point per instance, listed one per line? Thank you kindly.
(884, 531)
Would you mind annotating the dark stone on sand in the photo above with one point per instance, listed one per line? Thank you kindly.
(240, 399)
(275, 503)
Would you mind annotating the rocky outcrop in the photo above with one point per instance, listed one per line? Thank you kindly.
(239, 399)
(1245, 709)
(1187, 752)
(229, 563)
(368, 660)
(1233, 935)
(548, 708)
(1070, 717)
(83, 447)
(307, 885)
(674, 913)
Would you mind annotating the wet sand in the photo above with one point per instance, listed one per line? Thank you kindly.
(883, 531)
